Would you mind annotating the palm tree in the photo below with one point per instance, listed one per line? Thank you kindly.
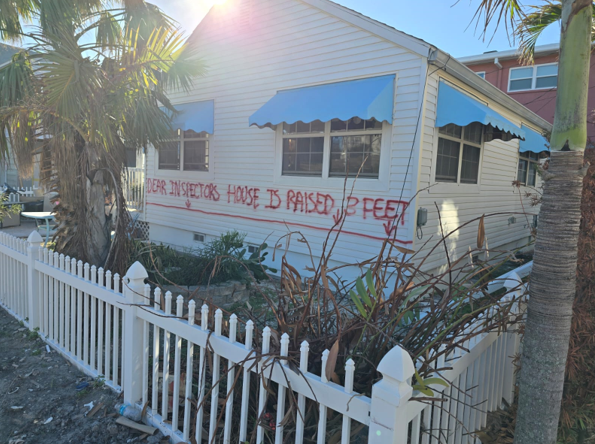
(553, 279)
(88, 88)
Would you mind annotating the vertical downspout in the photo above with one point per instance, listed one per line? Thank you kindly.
(499, 81)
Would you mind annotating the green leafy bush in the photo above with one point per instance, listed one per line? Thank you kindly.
(222, 260)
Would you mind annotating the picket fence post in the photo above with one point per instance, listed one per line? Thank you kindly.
(34, 245)
(390, 395)
(132, 337)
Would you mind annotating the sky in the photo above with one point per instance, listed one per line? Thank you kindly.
(447, 24)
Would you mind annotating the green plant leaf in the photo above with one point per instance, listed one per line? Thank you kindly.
(371, 286)
(438, 381)
(361, 289)
(422, 389)
(358, 303)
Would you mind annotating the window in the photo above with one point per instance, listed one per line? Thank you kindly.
(459, 153)
(190, 151)
(130, 158)
(352, 144)
(533, 77)
(527, 171)
(303, 150)
(481, 74)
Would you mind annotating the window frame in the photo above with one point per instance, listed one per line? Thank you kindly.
(527, 157)
(325, 180)
(181, 172)
(462, 142)
(533, 78)
(481, 74)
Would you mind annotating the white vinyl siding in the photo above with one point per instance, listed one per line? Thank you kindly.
(460, 203)
(288, 45)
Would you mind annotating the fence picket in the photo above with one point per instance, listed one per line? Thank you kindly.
(233, 326)
(189, 368)
(62, 304)
(156, 334)
(299, 422)
(246, 382)
(204, 320)
(56, 300)
(147, 296)
(86, 318)
(281, 393)
(321, 432)
(177, 375)
(93, 302)
(166, 356)
(349, 374)
(215, 387)
(262, 393)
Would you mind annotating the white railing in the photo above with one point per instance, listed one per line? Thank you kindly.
(207, 378)
(133, 185)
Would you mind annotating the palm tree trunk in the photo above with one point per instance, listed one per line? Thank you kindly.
(553, 280)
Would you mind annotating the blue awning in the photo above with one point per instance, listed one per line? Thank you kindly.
(364, 98)
(533, 142)
(457, 107)
(196, 116)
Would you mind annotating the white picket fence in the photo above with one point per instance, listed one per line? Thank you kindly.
(106, 326)
(133, 185)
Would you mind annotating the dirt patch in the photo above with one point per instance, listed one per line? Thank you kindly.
(39, 401)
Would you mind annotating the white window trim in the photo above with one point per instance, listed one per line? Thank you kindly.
(458, 187)
(332, 183)
(533, 78)
(182, 174)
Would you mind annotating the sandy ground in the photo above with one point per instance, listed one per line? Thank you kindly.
(39, 401)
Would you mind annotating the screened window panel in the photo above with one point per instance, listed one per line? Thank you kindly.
(474, 132)
(521, 73)
(470, 164)
(349, 153)
(303, 156)
(338, 125)
(447, 161)
(546, 82)
(516, 85)
(169, 156)
(451, 130)
(522, 171)
(196, 155)
(547, 70)
(532, 174)
(300, 127)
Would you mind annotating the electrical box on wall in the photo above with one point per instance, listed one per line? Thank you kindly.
(422, 217)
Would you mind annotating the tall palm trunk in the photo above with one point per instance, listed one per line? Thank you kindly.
(553, 280)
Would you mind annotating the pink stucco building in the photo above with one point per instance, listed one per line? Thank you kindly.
(535, 85)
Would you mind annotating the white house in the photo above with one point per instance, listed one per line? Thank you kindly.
(298, 94)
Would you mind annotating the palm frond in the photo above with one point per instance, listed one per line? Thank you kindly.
(11, 14)
(17, 80)
(497, 12)
(533, 24)
(108, 31)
